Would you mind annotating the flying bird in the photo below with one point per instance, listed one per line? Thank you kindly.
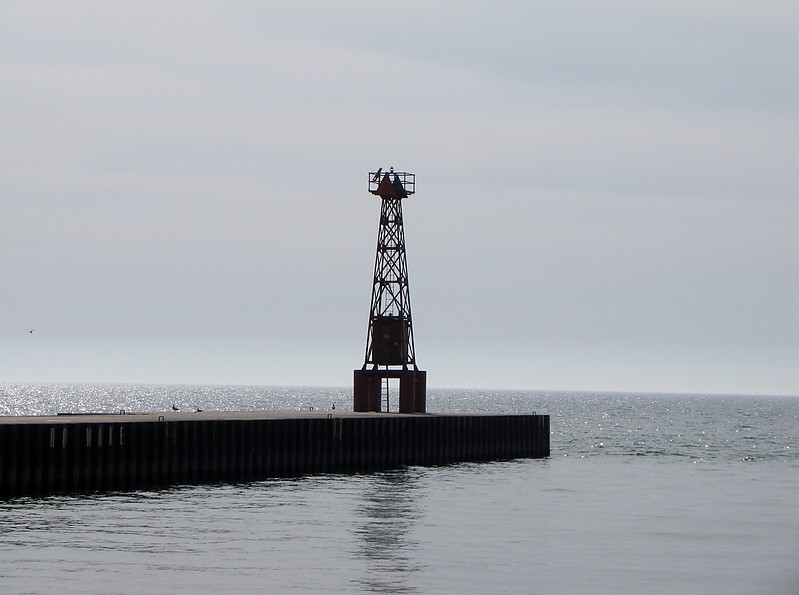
(30, 331)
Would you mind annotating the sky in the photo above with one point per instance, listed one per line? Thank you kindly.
(606, 191)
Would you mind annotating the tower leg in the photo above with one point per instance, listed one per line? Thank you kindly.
(420, 392)
(360, 401)
(407, 390)
(366, 393)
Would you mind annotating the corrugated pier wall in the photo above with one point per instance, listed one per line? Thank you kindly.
(83, 453)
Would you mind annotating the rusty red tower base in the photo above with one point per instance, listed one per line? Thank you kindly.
(390, 351)
(370, 390)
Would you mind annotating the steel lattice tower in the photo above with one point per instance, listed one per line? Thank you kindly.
(390, 350)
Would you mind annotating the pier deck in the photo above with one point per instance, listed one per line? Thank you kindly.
(74, 453)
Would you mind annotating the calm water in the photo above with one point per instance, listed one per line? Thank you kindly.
(642, 494)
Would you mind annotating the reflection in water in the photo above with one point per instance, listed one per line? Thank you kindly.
(386, 515)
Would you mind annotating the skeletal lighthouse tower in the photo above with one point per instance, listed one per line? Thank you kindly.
(390, 352)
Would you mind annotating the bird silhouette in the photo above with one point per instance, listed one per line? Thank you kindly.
(30, 331)
(174, 408)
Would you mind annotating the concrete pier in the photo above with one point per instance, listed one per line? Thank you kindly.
(95, 452)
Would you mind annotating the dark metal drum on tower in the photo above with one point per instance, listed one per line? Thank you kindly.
(390, 350)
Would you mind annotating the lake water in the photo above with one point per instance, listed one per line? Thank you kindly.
(642, 494)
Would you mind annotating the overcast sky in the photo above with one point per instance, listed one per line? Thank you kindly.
(606, 191)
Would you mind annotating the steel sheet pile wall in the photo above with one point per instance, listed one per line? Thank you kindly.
(113, 454)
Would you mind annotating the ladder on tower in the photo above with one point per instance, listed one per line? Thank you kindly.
(384, 393)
